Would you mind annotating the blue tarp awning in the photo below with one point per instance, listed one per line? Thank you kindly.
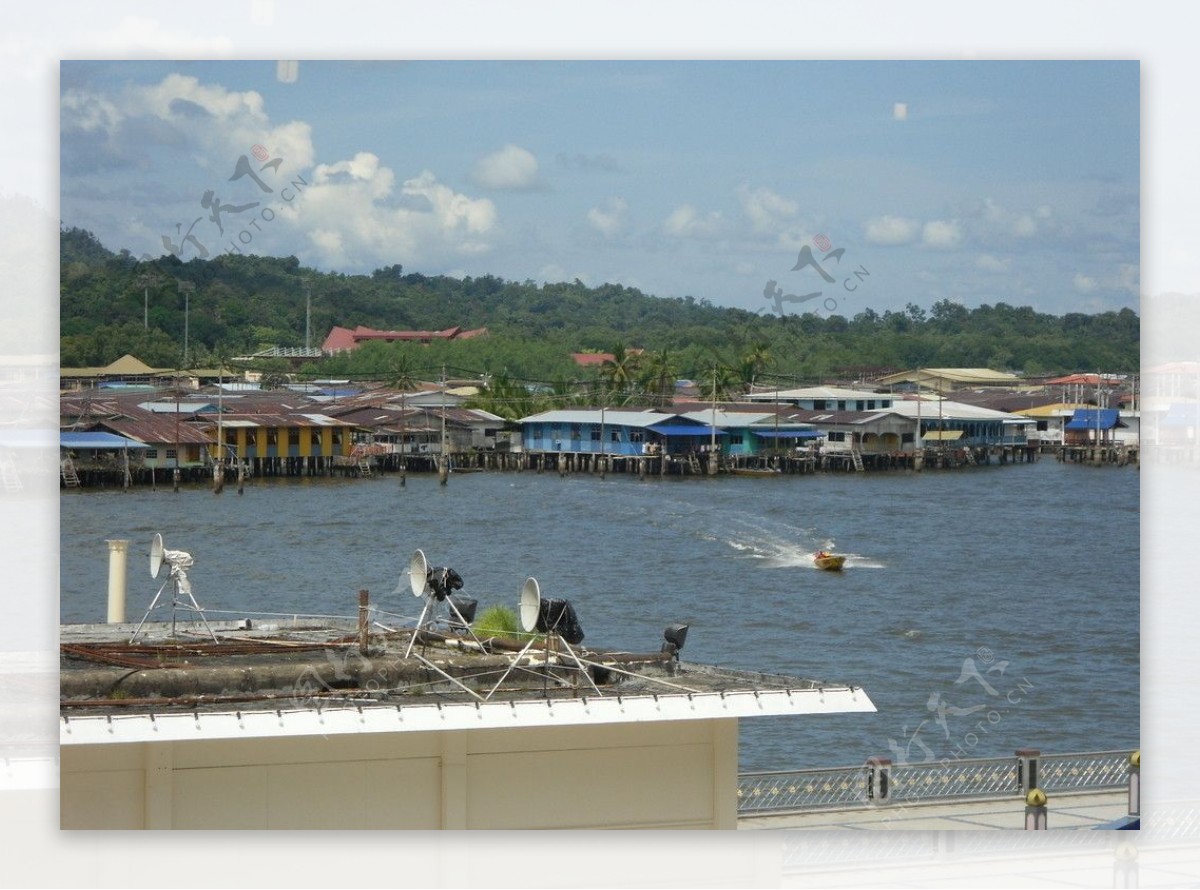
(1093, 418)
(683, 429)
(788, 434)
(86, 441)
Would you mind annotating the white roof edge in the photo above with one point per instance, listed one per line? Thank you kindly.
(344, 719)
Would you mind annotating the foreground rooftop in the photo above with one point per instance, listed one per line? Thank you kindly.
(316, 677)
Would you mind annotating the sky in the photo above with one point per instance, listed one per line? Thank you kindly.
(772, 186)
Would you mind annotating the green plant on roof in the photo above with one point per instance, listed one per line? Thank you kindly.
(498, 621)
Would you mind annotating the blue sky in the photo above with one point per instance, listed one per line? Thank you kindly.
(978, 182)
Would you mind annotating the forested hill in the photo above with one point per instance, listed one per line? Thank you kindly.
(242, 304)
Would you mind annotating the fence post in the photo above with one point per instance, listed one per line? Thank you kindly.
(1035, 810)
(364, 604)
(1027, 769)
(1135, 783)
(879, 780)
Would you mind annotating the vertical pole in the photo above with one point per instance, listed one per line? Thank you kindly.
(364, 598)
(1135, 783)
(1027, 769)
(444, 461)
(712, 448)
(603, 462)
(118, 554)
(879, 780)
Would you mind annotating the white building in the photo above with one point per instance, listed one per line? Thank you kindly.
(650, 754)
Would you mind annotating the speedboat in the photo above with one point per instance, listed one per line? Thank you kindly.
(828, 561)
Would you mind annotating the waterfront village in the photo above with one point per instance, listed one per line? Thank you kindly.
(131, 424)
(321, 722)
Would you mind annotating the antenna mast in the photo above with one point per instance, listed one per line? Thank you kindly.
(307, 314)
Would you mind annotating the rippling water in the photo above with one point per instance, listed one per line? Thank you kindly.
(982, 610)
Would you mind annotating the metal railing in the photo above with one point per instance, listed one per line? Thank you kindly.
(844, 787)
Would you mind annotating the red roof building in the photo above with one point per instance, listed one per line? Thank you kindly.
(344, 339)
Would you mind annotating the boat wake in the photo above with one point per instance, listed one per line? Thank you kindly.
(783, 546)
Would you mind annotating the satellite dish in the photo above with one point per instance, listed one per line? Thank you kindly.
(418, 574)
(531, 602)
(156, 555)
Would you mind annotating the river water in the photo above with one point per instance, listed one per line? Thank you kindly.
(982, 609)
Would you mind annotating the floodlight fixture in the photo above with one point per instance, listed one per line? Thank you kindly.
(674, 637)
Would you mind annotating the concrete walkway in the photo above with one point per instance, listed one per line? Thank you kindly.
(1080, 810)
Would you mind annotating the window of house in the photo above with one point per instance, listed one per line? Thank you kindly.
(293, 437)
(637, 436)
(151, 454)
(818, 404)
(735, 439)
(615, 436)
(172, 454)
(595, 434)
(836, 437)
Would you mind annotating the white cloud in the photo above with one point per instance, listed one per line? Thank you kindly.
(1000, 221)
(1129, 278)
(989, 263)
(218, 125)
(608, 220)
(900, 111)
(352, 214)
(88, 112)
(1124, 278)
(426, 223)
(891, 230)
(512, 167)
(686, 221)
(1024, 226)
(766, 210)
(941, 233)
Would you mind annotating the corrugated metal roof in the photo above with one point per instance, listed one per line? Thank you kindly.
(789, 434)
(157, 430)
(643, 419)
(727, 418)
(96, 440)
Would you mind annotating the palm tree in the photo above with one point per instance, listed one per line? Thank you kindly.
(659, 377)
(504, 397)
(755, 363)
(620, 371)
(401, 372)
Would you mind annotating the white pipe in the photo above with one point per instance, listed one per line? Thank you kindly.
(118, 553)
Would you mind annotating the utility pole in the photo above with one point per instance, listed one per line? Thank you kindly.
(186, 288)
(307, 314)
(147, 280)
(712, 448)
(443, 458)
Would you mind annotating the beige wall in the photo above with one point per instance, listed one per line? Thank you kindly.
(655, 775)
